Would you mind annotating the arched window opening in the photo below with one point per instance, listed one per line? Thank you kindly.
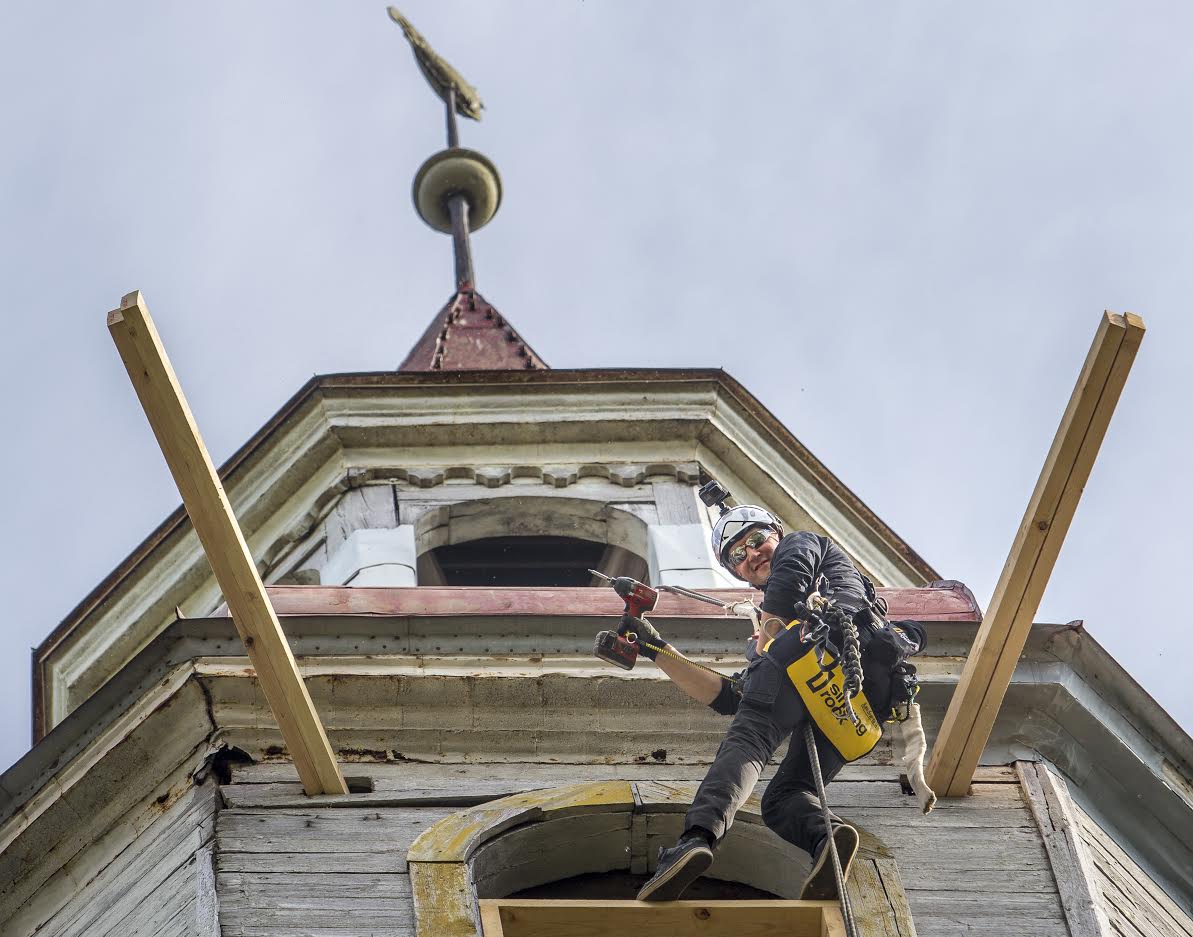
(525, 542)
(563, 860)
(518, 561)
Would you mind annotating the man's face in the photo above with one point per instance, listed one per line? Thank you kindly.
(754, 568)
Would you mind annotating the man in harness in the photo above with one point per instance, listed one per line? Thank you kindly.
(766, 706)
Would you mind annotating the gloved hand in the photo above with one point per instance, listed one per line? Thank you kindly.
(645, 630)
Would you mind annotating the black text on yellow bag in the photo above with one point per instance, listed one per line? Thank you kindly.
(820, 688)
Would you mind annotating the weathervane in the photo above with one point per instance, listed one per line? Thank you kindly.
(456, 190)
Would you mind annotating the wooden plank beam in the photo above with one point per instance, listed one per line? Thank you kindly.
(205, 501)
(1003, 633)
(513, 917)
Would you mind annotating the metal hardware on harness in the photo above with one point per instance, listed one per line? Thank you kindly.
(850, 656)
(851, 668)
(830, 843)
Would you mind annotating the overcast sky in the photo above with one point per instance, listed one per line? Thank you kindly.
(896, 224)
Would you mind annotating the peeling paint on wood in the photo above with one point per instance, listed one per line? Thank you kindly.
(454, 839)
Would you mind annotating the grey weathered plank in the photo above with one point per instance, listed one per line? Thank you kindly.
(1124, 922)
(272, 905)
(151, 879)
(132, 883)
(1122, 890)
(350, 838)
(1080, 896)
(676, 503)
(871, 904)
(1128, 886)
(309, 863)
(285, 923)
(170, 909)
(207, 908)
(463, 794)
(985, 850)
(472, 791)
(937, 877)
(86, 828)
(405, 775)
(947, 914)
(239, 889)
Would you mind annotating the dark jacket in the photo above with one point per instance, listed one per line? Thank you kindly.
(801, 562)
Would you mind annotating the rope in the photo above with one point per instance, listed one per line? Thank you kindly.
(851, 666)
(672, 654)
(831, 843)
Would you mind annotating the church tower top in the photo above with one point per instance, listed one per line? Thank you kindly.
(457, 191)
(470, 335)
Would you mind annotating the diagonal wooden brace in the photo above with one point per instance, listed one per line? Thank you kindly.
(207, 504)
(1003, 633)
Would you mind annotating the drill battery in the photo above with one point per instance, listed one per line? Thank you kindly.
(616, 649)
(619, 647)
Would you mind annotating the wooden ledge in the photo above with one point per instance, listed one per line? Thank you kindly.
(508, 917)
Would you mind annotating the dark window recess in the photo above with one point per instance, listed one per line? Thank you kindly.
(622, 886)
(519, 561)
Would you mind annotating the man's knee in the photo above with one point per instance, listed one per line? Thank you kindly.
(774, 807)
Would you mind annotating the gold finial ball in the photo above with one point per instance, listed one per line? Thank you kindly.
(457, 171)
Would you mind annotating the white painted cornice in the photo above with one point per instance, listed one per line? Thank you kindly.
(505, 428)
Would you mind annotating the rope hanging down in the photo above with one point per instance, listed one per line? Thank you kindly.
(830, 843)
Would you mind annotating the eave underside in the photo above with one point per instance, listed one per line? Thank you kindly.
(397, 685)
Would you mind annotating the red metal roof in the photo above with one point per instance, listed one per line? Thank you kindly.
(470, 335)
(941, 601)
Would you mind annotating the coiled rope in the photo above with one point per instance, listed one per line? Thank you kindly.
(851, 666)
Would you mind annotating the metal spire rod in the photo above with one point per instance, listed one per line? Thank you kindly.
(457, 207)
(453, 135)
(455, 190)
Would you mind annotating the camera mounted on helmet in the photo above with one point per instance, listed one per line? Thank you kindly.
(735, 523)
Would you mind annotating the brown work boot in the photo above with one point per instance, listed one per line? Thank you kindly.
(821, 884)
(678, 867)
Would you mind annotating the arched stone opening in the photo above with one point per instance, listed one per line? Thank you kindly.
(586, 832)
(528, 541)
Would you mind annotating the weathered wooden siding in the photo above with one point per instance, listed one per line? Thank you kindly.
(89, 853)
(1135, 905)
(160, 885)
(975, 865)
(318, 871)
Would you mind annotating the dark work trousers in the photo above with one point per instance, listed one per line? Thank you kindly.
(770, 711)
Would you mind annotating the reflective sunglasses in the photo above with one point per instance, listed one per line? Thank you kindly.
(752, 542)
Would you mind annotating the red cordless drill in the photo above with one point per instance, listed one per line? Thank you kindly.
(640, 598)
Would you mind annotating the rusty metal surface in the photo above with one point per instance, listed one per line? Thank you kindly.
(468, 334)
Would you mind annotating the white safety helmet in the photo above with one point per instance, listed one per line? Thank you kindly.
(736, 523)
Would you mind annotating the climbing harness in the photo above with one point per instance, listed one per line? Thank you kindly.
(829, 681)
(831, 843)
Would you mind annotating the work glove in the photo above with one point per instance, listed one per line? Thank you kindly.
(645, 631)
